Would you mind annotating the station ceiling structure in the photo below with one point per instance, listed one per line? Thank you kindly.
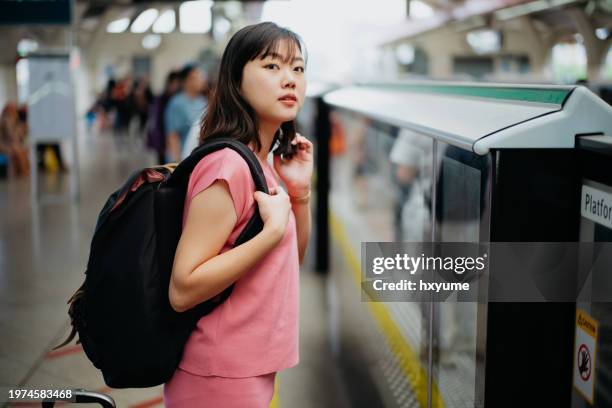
(556, 16)
(555, 19)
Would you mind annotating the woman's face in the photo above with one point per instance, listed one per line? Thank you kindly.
(274, 87)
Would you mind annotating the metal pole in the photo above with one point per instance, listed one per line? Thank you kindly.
(322, 131)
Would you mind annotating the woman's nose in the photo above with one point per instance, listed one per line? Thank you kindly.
(288, 79)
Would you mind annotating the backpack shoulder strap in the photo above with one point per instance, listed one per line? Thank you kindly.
(180, 176)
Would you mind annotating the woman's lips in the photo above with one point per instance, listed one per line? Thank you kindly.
(288, 99)
(288, 102)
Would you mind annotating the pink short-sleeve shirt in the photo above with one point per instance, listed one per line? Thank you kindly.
(255, 331)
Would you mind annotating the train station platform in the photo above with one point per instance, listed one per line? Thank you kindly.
(480, 130)
(395, 163)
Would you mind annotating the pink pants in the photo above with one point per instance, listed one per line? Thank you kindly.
(186, 390)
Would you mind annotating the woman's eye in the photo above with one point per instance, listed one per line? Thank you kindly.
(271, 66)
(299, 69)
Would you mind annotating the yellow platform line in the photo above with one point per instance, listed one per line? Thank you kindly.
(407, 357)
(275, 403)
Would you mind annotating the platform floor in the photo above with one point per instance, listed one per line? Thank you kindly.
(43, 251)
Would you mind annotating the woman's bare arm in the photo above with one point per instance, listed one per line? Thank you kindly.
(200, 272)
(303, 226)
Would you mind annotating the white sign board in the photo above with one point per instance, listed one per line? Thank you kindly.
(51, 110)
(596, 205)
(585, 355)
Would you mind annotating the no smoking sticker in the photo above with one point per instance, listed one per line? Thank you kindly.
(584, 355)
(584, 362)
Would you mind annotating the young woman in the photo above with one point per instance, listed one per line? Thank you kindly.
(232, 356)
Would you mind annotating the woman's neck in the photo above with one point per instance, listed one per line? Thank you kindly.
(267, 130)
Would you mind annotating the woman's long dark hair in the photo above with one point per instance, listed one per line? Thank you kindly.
(228, 113)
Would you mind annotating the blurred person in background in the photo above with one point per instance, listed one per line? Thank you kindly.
(156, 137)
(142, 97)
(12, 140)
(193, 136)
(121, 101)
(104, 105)
(183, 110)
(409, 155)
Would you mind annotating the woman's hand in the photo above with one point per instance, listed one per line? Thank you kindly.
(296, 172)
(274, 210)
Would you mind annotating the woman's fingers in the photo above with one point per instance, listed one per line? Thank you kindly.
(259, 195)
(302, 143)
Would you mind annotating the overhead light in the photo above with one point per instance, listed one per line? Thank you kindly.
(578, 37)
(484, 41)
(165, 23)
(233, 9)
(151, 41)
(404, 54)
(26, 46)
(118, 26)
(420, 9)
(143, 22)
(195, 16)
(221, 27)
(602, 33)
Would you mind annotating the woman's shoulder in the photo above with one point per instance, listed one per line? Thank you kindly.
(225, 164)
(225, 158)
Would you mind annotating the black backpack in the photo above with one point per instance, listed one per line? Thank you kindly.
(122, 312)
